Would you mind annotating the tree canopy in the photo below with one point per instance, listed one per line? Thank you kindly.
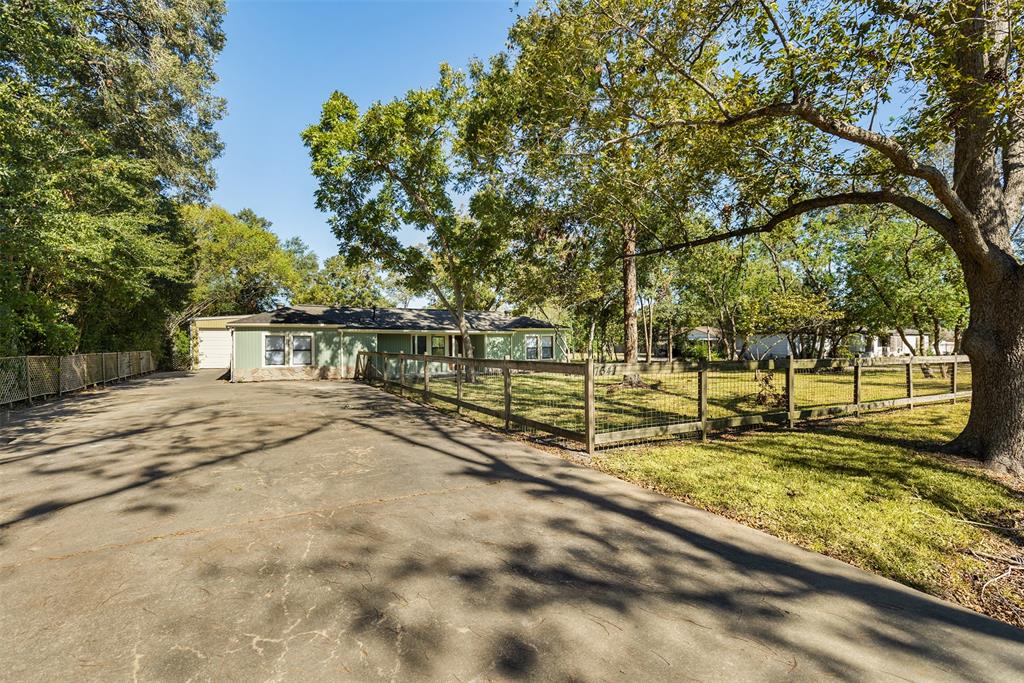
(402, 163)
(106, 119)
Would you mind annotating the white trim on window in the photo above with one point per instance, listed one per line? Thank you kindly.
(444, 344)
(311, 349)
(283, 350)
(413, 344)
(289, 356)
(539, 346)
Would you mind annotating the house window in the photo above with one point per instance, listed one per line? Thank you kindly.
(419, 344)
(547, 347)
(273, 349)
(437, 346)
(540, 347)
(302, 349)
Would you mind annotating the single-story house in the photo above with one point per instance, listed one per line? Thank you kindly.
(891, 344)
(323, 342)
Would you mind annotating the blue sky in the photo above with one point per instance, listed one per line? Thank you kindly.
(284, 58)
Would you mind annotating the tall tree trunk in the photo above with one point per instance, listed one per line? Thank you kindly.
(994, 341)
(671, 334)
(629, 292)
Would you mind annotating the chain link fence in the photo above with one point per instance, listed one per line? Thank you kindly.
(24, 378)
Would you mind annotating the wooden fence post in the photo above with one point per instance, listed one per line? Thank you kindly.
(791, 392)
(857, 388)
(506, 376)
(426, 381)
(60, 376)
(910, 381)
(953, 379)
(384, 364)
(401, 374)
(702, 399)
(589, 410)
(458, 385)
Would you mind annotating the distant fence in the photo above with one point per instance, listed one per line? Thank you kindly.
(24, 378)
(614, 403)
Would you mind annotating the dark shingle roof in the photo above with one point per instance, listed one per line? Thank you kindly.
(431, 319)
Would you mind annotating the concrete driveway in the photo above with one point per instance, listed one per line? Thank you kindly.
(182, 528)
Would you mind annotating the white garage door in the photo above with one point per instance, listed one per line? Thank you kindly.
(214, 348)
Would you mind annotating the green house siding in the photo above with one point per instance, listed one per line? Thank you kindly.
(479, 343)
(333, 348)
(328, 348)
(519, 345)
(340, 349)
(394, 343)
(248, 348)
(498, 345)
(351, 344)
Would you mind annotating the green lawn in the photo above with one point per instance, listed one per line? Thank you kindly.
(868, 491)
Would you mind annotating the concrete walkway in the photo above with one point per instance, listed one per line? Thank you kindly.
(182, 528)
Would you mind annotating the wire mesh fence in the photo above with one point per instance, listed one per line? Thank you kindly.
(601, 405)
(826, 385)
(627, 397)
(24, 378)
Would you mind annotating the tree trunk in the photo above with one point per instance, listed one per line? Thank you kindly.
(650, 331)
(629, 292)
(994, 341)
(671, 334)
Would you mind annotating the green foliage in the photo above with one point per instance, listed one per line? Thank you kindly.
(902, 275)
(343, 284)
(105, 117)
(400, 163)
(241, 266)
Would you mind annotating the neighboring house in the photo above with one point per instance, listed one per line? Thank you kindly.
(891, 344)
(704, 334)
(764, 346)
(210, 341)
(323, 342)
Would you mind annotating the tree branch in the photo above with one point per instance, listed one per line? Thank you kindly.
(965, 229)
(914, 207)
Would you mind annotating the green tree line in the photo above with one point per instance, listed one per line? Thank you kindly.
(106, 144)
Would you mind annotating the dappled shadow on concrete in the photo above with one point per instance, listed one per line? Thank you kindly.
(588, 571)
(416, 547)
(109, 455)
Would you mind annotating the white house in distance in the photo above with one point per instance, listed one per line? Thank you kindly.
(892, 344)
(772, 346)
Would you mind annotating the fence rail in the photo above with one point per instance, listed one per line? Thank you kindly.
(600, 405)
(24, 378)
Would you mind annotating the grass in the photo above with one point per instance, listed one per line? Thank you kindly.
(873, 492)
(668, 399)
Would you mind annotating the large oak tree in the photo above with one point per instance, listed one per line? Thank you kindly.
(871, 95)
